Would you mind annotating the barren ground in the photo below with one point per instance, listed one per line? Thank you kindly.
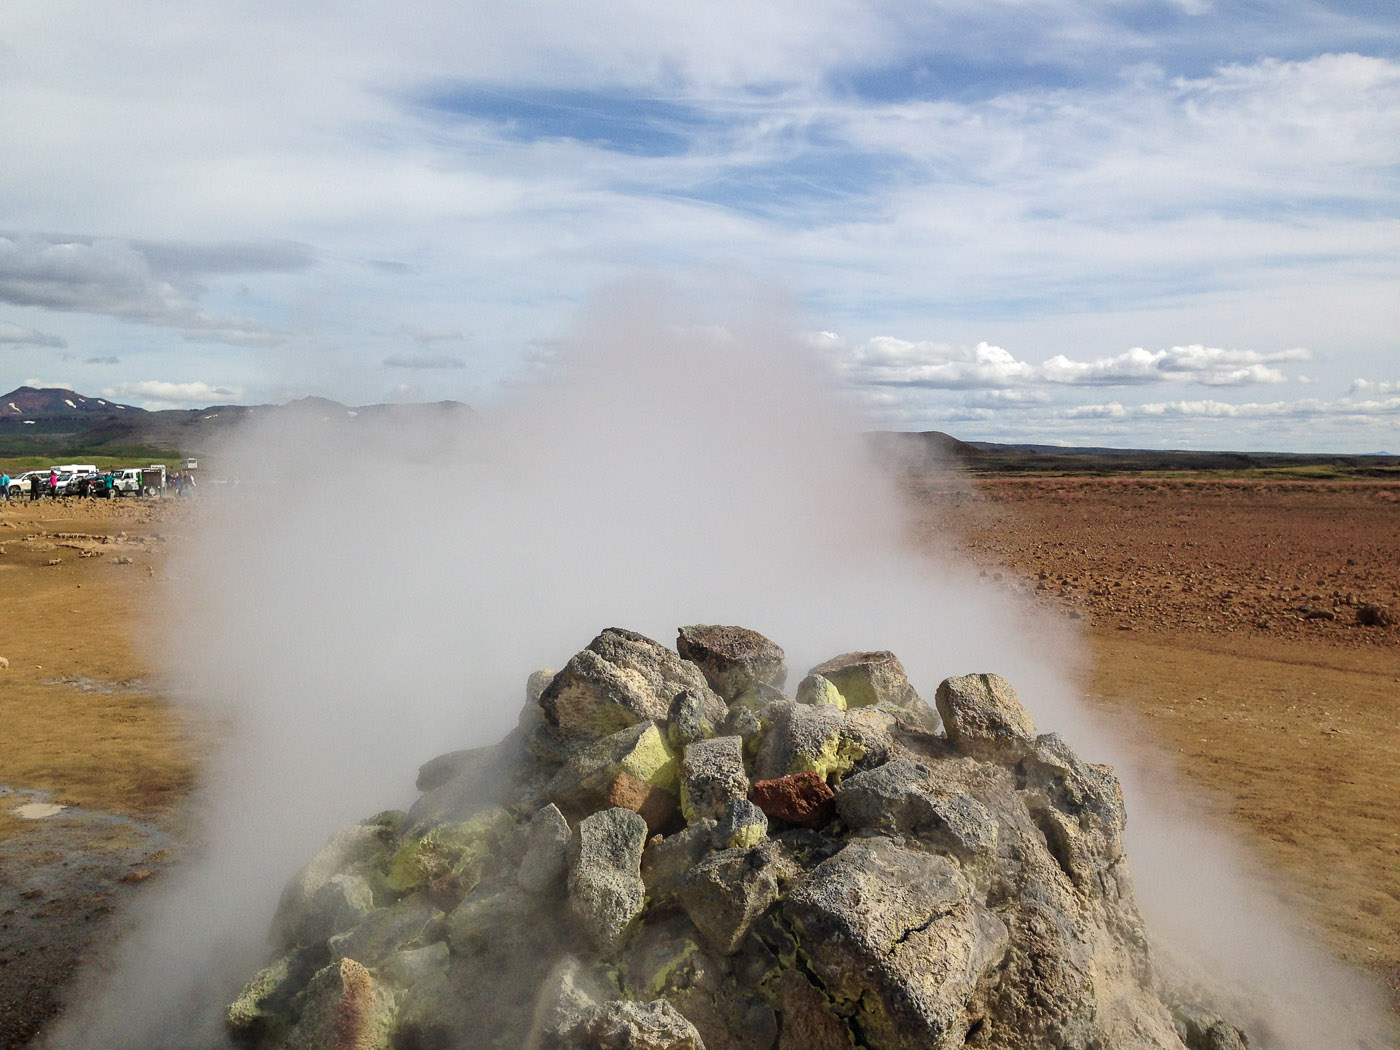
(1194, 597)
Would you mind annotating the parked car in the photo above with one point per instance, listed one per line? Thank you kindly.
(86, 483)
(21, 484)
(126, 481)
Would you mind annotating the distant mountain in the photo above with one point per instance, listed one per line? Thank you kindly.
(27, 403)
(52, 421)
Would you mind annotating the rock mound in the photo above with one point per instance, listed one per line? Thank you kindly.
(670, 853)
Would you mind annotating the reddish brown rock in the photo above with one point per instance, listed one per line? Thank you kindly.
(803, 799)
(657, 806)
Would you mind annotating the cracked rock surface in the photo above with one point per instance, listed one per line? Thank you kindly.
(670, 853)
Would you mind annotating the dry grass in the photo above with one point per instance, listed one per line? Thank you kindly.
(82, 716)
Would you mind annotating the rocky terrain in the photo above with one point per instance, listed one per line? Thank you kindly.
(1294, 728)
(1302, 561)
(671, 852)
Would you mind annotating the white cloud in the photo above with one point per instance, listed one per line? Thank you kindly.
(886, 361)
(1112, 410)
(1381, 387)
(112, 278)
(1105, 184)
(49, 384)
(1302, 409)
(158, 394)
(1209, 366)
(16, 333)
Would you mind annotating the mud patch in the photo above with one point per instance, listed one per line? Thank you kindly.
(61, 880)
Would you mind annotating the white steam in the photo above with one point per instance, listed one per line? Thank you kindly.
(373, 595)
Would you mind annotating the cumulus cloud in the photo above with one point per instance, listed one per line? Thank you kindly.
(886, 361)
(111, 278)
(15, 333)
(1205, 365)
(424, 361)
(1381, 387)
(157, 394)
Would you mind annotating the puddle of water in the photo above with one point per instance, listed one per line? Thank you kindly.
(38, 810)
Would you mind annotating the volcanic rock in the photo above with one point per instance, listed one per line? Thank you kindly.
(345, 1009)
(694, 716)
(866, 679)
(803, 799)
(712, 776)
(801, 738)
(624, 1025)
(733, 659)
(606, 890)
(818, 689)
(846, 876)
(547, 853)
(984, 717)
(726, 892)
(620, 679)
(1374, 616)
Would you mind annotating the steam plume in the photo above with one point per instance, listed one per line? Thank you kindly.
(372, 596)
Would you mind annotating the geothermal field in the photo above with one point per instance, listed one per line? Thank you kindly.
(1210, 627)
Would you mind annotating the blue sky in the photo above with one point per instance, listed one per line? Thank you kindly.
(1147, 224)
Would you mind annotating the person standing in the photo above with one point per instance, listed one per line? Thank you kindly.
(53, 484)
(5, 486)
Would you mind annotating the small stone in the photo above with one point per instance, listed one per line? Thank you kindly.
(743, 826)
(803, 799)
(818, 689)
